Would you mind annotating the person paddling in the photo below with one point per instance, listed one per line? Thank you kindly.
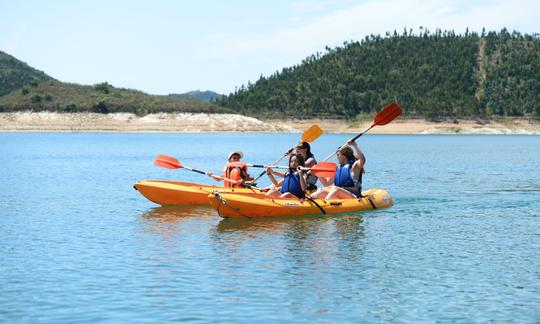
(347, 183)
(293, 184)
(239, 174)
(304, 149)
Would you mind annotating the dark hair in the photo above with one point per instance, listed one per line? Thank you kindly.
(348, 152)
(308, 149)
(299, 159)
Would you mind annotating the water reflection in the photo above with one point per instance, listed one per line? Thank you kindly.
(298, 226)
(308, 251)
(174, 213)
(167, 219)
(322, 235)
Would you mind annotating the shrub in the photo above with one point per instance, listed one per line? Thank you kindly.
(103, 87)
(70, 108)
(100, 107)
(36, 98)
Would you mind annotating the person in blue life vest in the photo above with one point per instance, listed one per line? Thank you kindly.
(304, 149)
(293, 184)
(239, 174)
(347, 183)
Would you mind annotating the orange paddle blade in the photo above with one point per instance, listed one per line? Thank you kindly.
(324, 169)
(312, 133)
(387, 114)
(168, 162)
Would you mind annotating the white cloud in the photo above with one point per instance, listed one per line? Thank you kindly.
(222, 53)
(377, 17)
(288, 46)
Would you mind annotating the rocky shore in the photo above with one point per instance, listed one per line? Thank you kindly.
(127, 122)
(190, 122)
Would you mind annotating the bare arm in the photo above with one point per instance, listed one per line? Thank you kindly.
(310, 162)
(359, 164)
(211, 175)
(270, 174)
(280, 174)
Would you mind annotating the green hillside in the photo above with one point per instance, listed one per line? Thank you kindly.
(102, 98)
(432, 75)
(25, 88)
(15, 74)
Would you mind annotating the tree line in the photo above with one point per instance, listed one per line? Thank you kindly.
(434, 75)
(100, 98)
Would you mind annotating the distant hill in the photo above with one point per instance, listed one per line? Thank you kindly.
(15, 74)
(25, 88)
(58, 96)
(432, 74)
(197, 95)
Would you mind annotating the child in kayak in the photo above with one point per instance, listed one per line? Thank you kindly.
(293, 184)
(347, 183)
(233, 172)
(305, 150)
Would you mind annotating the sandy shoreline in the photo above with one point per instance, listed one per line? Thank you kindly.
(419, 126)
(189, 122)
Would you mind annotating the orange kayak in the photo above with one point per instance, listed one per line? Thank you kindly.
(242, 205)
(181, 193)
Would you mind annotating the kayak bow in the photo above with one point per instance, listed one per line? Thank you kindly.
(181, 193)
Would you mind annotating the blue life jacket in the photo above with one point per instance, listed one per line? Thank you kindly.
(291, 183)
(344, 179)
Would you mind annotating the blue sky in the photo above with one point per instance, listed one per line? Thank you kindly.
(163, 47)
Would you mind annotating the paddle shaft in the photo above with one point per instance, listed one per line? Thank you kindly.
(309, 135)
(276, 162)
(267, 166)
(386, 115)
(169, 162)
(351, 140)
(205, 173)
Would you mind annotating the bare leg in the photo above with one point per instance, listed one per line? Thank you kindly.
(321, 193)
(273, 192)
(339, 193)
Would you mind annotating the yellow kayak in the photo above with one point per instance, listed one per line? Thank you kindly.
(181, 193)
(242, 205)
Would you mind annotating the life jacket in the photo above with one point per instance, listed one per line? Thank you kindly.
(291, 183)
(344, 179)
(233, 173)
(311, 179)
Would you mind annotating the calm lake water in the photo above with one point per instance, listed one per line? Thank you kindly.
(78, 244)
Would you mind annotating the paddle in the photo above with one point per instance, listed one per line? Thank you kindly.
(169, 162)
(309, 135)
(385, 116)
(240, 164)
(322, 169)
(312, 133)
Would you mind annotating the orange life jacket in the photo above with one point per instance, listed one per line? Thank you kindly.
(233, 173)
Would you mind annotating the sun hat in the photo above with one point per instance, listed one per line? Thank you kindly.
(235, 152)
